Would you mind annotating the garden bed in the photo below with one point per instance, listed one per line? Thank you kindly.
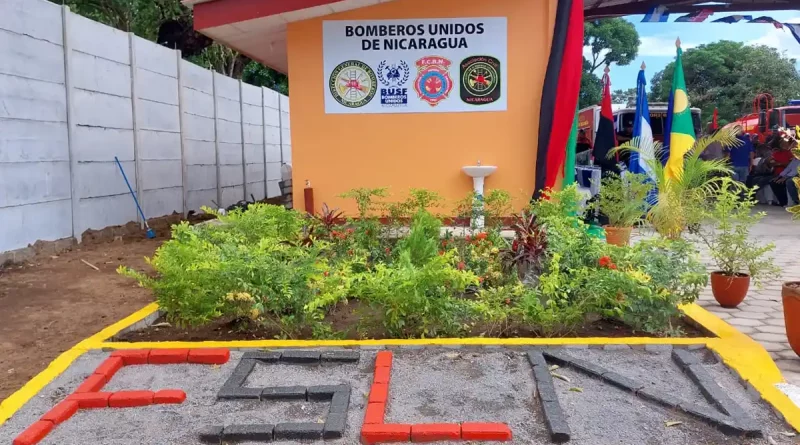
(344, 320)
(273, 273)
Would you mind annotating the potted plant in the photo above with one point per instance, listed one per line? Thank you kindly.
(790, 292)
(725, 231)
(623, 200)
(682, 198)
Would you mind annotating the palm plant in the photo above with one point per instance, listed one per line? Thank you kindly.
(680, 199)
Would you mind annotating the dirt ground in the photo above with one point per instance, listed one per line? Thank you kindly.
(51, 303)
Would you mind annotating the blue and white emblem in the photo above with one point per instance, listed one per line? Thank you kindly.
(394, 77)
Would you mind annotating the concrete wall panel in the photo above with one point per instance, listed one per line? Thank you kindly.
(94, 38)
(32, 141)
(102, 144)
(159, 145)
(102, 110)
(162, 202)
(156, 87)
(29, 183)
(25, 56)
(155, 58)
(32, 99)
(23, 225)
(38, 19)
(99, 75)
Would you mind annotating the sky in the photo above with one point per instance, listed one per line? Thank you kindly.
(657, 47)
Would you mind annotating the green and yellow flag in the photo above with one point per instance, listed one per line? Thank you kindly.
(569, 162)
(682, 135)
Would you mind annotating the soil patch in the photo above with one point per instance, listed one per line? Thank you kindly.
(356, 321)
(52, 302)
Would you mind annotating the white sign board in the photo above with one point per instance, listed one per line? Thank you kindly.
(415, 65)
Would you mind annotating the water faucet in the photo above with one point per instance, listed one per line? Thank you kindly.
(479, 162)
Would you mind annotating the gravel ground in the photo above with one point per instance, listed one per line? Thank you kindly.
(427, 385)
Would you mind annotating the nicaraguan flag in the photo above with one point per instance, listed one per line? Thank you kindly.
(656, 15)
(795, 29)
(642, 132)
(696, 17)
(733, 19)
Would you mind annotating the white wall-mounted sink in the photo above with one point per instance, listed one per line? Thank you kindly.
(479, 171)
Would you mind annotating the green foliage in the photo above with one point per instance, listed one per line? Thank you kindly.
(211, 271)
(591, 88)
(263, 76)
(681, 201)
(282, 269)
(726, 234)
(422, 243)
(727, 75)
(624, 96)
(496, 206)
(418, 301)
(624, 200)
(365, 199)
(611, 41)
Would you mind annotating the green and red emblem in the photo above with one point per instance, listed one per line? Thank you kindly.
(433, 83)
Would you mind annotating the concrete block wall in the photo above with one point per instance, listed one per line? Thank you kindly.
(34, 154)
(76, 93)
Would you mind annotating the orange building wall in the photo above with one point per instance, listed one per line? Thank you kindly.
(337, 152)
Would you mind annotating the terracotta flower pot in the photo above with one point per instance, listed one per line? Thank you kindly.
(791, 313)
(729, 290)
(618, 236)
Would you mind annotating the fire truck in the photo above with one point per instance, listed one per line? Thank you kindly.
(589, 118)
(766, 118)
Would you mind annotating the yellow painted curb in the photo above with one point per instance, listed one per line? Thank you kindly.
(16, 400)
(737, 350)
(471, 341)
(748, 358)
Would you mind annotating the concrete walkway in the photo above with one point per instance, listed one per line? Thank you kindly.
(761, 313)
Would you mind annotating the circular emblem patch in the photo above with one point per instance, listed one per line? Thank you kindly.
(480, 80)
(433, 83)
(353, 83)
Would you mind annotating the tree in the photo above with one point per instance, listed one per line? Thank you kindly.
(728, 75)
(591, 87)
(623, 96)
(170, 23)
(611, 41)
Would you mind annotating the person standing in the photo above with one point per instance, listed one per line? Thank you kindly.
(782, 158)
(742, 158)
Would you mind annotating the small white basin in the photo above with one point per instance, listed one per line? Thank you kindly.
(479, 171)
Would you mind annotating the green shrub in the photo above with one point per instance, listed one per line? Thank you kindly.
(418, 300)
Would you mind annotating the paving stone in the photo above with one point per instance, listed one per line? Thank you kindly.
(723, 315)
(556, 422)
(340, 401)
(621, 381)
(776, 321)
(772, 347)
(340, 356)
(684, 358)
(752, 315)
(235, 393)
(747, 329)
(788, 354)
(284, 393)
(247, 433)
(745, 322)
(658, 397)
(616, 347)
(325, 392)
(791, 377)
(334, 426)
(210, 434)
(262, 356)
(792, 365)
(760, 309)
(298, 431)
(713, 392)
(302, 357)
(772, 329)
(766, 336)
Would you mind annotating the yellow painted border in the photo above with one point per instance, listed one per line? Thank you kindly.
(737, 350)
(16, 400)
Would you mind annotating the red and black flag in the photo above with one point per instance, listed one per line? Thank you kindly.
(606, 138)
(562, 84)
